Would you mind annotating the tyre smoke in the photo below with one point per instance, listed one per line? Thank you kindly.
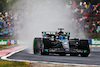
(42, 15)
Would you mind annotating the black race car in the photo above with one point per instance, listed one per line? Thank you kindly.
(59, 43)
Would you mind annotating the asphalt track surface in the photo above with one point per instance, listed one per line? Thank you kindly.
(93, 59)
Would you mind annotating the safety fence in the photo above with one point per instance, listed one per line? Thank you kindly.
(8, 42)
(92, 42)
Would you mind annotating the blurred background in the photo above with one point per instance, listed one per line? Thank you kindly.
(24, 20)
(82, 15)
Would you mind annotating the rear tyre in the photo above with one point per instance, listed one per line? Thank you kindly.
(62, 54)
(74, 54)
(84, 45)
(85, 55)
(37, 44)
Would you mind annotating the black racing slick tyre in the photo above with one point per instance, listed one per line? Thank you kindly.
(36, 45)
(84, 55)
(62, 54)
(84, 45)
(74, 54)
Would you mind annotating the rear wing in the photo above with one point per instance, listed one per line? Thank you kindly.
(54, 33)
(60, 28)
(48, 32)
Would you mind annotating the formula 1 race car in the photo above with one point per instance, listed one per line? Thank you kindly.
(60, 43)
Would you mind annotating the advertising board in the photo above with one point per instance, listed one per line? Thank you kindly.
(8, 42)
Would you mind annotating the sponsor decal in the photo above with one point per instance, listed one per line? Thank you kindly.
(12, 42)
(3, 42)
(8, 42)
(95, 41)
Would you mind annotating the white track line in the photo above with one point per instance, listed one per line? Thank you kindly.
(10, 54)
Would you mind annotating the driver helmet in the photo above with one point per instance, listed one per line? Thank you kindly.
(60, 32)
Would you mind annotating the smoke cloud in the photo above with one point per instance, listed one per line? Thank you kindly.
(42, 15)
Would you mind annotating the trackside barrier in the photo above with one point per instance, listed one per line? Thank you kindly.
(8, 42)
(89, 40)
(94, 42)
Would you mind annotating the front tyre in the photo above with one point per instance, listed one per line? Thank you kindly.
(37, 43)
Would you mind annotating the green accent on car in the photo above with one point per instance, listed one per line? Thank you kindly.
(34, 43)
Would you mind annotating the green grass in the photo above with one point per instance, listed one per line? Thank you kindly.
(4, 63)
